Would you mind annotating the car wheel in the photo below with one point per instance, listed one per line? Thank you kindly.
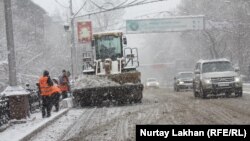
(202, 93)
(239, 93)
(177, 89)
(227, 94)
(196, 94)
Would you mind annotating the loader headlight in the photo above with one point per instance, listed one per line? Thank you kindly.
(181, 82)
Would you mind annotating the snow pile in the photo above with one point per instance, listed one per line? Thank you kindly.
(66, 103)
(14, 91)
(93, 81)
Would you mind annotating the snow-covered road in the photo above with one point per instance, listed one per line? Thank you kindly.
(246, 88)
(160, 106)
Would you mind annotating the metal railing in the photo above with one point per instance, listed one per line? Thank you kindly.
(4, 111)
(34, 101)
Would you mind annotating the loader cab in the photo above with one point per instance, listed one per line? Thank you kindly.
(111, 55)
(108, 45)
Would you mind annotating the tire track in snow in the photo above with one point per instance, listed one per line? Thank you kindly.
(233, 111)
(194, 108)
(85, 118)
(109, 123)
(221, 111)
(122, 130)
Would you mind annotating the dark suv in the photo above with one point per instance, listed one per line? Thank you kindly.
(183, 80)
(216, 77)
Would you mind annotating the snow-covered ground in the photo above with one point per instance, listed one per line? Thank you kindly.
(159, 106)
(246, 88)
(57, 129)
(17, 132)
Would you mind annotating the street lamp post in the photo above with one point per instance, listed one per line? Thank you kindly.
(72, 39)
(73, 44)
(72, 22)
(66, 28)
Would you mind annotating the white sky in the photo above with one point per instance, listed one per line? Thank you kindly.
(51, 7)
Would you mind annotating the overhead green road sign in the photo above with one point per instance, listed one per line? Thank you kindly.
(165, 25)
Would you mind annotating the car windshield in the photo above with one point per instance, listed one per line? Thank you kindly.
(186, 75)
(217, 67)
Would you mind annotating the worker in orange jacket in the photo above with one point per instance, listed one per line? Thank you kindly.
(56, 94)
(45, 85)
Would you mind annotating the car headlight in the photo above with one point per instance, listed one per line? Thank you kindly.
(208, 81)
(237, 79)
(181, 82)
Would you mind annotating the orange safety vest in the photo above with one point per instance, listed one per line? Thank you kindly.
(56, 89)
(46, 90)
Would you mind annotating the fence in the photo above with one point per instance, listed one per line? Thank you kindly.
(34, 101)
(4, 111)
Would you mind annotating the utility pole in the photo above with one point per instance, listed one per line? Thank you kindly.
(10, 43)
(18, 97)
(72, 22)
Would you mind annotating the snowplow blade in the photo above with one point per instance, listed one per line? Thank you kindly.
(110, 95)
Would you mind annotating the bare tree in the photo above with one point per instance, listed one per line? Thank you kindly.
(106, 20)
(227, 29)
(41, 42)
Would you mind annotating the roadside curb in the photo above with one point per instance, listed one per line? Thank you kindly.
(38, 129)
(4, 127)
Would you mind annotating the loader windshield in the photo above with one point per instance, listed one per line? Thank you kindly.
(108, 46)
